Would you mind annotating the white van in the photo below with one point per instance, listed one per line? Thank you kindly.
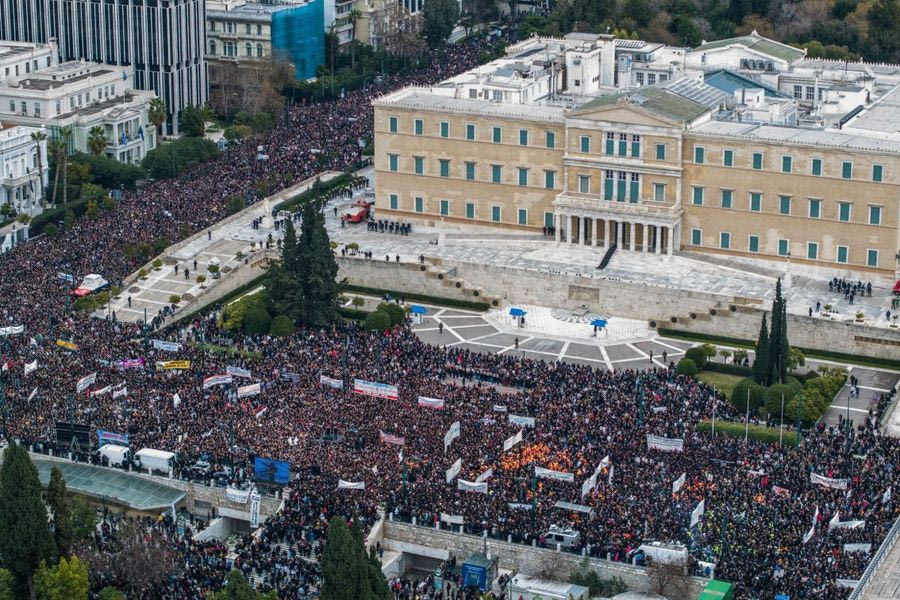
(155, 460)
(566, 538)
(116, 456)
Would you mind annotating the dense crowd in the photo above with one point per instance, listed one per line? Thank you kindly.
(759, 498)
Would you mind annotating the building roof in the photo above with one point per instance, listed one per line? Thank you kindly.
(543, 586)
(882, 117)
(754, 41)
(41, 83)
(678, 100)
(134, 491)
(823, 138)
(729, 82)
(422, 99)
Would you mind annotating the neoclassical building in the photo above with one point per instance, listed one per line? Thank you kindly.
(710, 161)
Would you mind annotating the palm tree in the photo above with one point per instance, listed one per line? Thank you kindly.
(97, 140)
(353, 17)
(56, 149)
(37, 137)
(158, 112)
(194, 119)
(65, 135)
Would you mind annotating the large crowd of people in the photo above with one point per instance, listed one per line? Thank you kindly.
(573, 421)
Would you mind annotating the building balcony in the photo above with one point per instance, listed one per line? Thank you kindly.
(594, 205)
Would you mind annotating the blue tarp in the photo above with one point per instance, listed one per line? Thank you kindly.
(599, 322)
(418, 310)
(517, 312)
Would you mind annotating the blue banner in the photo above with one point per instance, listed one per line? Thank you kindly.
(109, 437)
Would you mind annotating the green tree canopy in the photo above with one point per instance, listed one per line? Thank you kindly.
(25, 539)
(66, 581)
(62, 514)
(193, 120)
(440, 17)
(170, 159)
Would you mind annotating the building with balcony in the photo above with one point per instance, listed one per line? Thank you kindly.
(81, 96)
(710, 161)
(240, 31)
(162, 41)
(23, 169)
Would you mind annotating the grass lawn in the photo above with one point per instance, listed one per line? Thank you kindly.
(723, 382)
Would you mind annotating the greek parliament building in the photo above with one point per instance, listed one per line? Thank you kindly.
(163, 40)
(743, 147)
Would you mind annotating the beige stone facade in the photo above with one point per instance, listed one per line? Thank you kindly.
(613, 171)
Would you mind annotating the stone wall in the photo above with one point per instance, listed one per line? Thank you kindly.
(684, 310)
(403, 537)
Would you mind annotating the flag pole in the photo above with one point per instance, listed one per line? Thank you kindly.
(781, 422)
(747, 418)
(715, 402)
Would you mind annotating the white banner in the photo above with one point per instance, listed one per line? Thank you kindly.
(603, 464)
(857, 547)
(542, 473)
(521, 421)
(665, 444)
(518, 506)
(678, 483)
(454, 469)
(391, 439)
(499, 408)
(658, 409)
(237, 495)
(167, 346)
(845, 524)
(511, 441)
(331, 382)
(101, 391)
(697, 513)
(85, 382)
(847, 583)
(31, 367)
(351, 485)
(176, 400)
(375, 389)
(238, 372)
(426, 402)
(4, 331)
(452, 519)
(216, 380)
(32, 395)
(589, 484)
(838, 484)
(249, 390)
(254, 509)
(471, 486)
(451, 435)
(886, 497)
(485, 476)
(120, 392)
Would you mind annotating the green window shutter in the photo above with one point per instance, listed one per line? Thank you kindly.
(610, 146)
(523, 176)
(872, 258)
(393, 161)
(523, 216)
(874, 215)
(815, 209)
(445, 167)
(420, 165)
(635, 191)
(635, 149)
(699, 155)
(725, 240)
(812, 251)
(445, 208)
(497, 135)
(842, 254)
(496, 173)
(784, 205)
(470, 132)
(523, 137)
(394, 202)
(844, 211)
(623, 148)
(698, 196)
(660, 152)
(728, 158)
(620, 191)
(420, 205)
(392, 124)
(470, 171)
(782, 247)
(753, 246)
(757, 160)
(470, 210)
(419, 126)
(585, 144)
(548, 219)
(817, 166)
(877, 172)
(696, 237)
(551, 139)
(786, 164)
(756, 202)
(847, 170)
(608, 189)
(495, 214)
(726, 198)
(549, 179)
(445, 129)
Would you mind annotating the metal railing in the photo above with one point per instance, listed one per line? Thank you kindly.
(880, 554)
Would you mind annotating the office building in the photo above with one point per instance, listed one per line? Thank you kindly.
(164, 42)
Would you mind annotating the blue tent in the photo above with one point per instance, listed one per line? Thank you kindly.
(517, 312)
(599, 322)
(418, 310)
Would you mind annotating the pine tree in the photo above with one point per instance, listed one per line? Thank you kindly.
(377, 585)
(340, 564)
(62, 514)
(25, 539)
(761, 362)
(318, 268)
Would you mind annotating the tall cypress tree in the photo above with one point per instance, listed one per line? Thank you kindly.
(62, 514)
(318, 268)
(778, 349)
(25, 538)
(282, 281)
(784, 349)
(342, 572)
(761, 362)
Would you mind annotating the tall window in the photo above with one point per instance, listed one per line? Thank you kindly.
(815, 208)
(445, 129)
(697, 196)
(470, 131)
(393, 161)
(585, 144)
(392, 124)
(551, 139)
(522, 216)
(470, 171)
(755, 202)
(783, 247)
(728, 157)
(660, 152)
(877, 172)
(757, 161)
(753, 243)
(523, 137)
(549, 179)
(495, 214)
(726, 198)
(445, 208)
(636, 146)
(787, 163)
(419, 126)
(847, 170)
(724, 240)
(696, 237)
(419, 164)
(844, 210)
(496, 173)
(699, 154)
(784, 205)
(817, 166)
(497, 135)
(874, 215)
(610, 142)
(584, 184)
(523, 176)
(444, 166)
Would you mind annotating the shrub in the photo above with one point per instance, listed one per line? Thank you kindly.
(739, 395)
(235, 312)
(157, 264)
(686, 366)
(793, 382)
(201, 279)
(174, 299)
(235, 205)
(760, 433)
(377, 321)
(394, 311)
(810, 375)
(257, 320)
(698, 355)
(142, 273)
(51, 230)
(773, 396)
(281, 326)
(731, 369)
(358, 301)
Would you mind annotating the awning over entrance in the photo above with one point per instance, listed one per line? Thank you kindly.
(124, 488)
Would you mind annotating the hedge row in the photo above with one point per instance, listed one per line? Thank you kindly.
(323, 188)
(451, 302)
(879, 362)
(353, 314)
(731, 369)
(54, 215)
(760, 433)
